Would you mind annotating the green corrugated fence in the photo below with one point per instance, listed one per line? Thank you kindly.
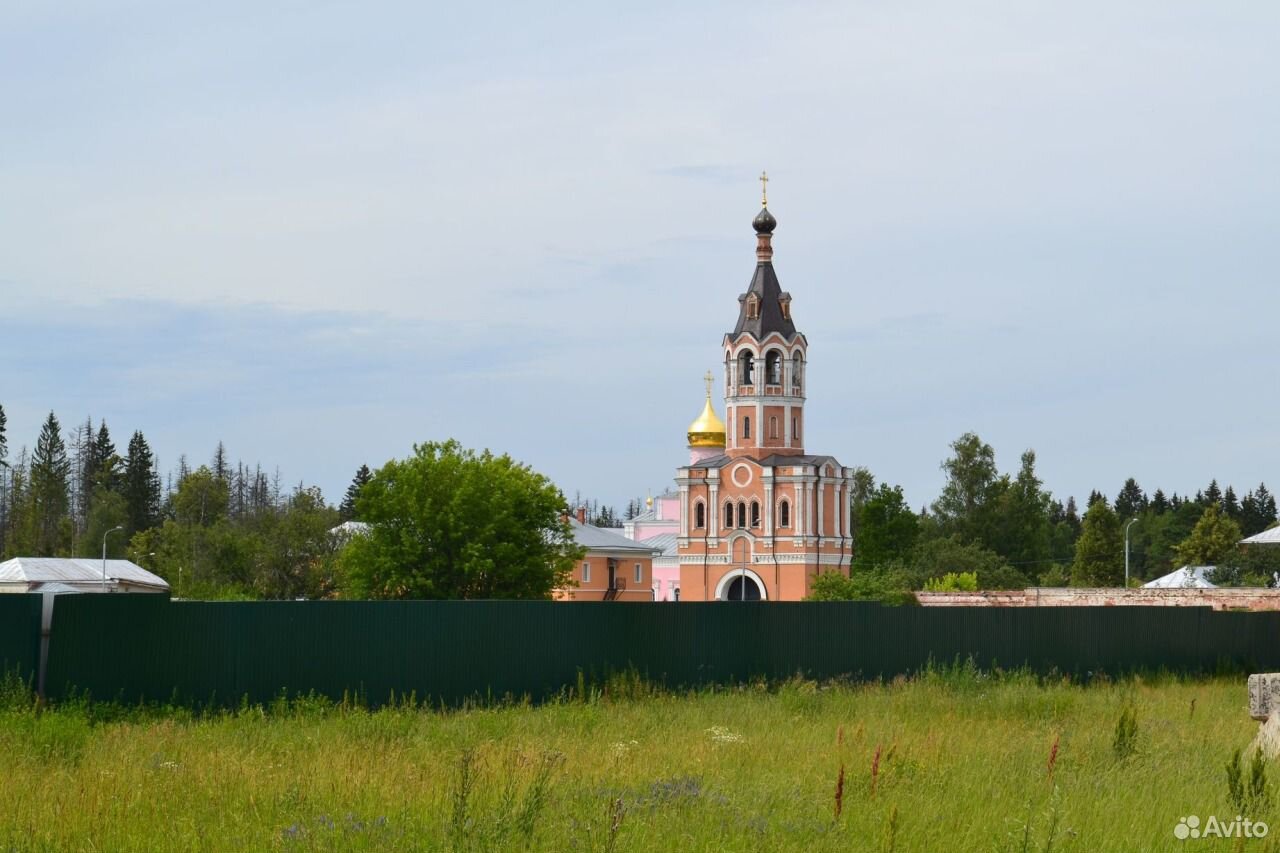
(141, 647)
(20, 633)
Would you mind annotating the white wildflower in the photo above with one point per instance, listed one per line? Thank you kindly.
(720, 734)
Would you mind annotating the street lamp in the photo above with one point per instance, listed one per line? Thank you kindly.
(104, 553)
(1126, 551)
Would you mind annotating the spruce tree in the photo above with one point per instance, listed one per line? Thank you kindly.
(49, 490)
(1212, 495)
(104, 453)
(1131, 500)
(1230, 505)
(347, 509)
(141, 486)
(4, 441)
(1159, 503)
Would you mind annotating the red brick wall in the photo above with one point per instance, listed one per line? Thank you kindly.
(1241, 598)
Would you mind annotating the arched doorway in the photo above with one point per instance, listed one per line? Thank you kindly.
(737, 582)
(734, 591)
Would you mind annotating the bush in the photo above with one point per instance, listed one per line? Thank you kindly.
(953, 582)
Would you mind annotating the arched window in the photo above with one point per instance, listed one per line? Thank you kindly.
(742, 514)
(784, 513)
(773, 427)
(773, 367)
(699, 514)
(728, 514)
(746, 426)
(755, 513)
(746, 367)
(795, 428)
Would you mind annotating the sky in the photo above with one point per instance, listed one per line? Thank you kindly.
(322, 232)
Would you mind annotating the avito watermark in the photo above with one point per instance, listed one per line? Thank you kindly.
(1240, 827)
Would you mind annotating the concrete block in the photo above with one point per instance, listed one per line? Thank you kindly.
(1264, 694)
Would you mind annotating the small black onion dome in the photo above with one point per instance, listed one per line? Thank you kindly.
(764, 223)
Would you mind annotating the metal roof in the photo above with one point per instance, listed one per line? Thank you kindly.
(1266, 537)
(665, 541)
(598, 539)
(75, 570)
(1183, 578)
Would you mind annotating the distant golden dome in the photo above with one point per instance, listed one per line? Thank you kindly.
(708, 430)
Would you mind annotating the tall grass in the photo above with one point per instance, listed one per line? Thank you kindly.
(954, 759)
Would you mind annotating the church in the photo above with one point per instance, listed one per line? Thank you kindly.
(759, 517)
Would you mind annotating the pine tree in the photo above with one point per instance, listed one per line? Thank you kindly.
(347, 509)
(1131, 500)
(1094, 497)
(1212, 495)
(1257, 511)
(1231, 506)
(221, 468)
(1159, 503)
(141, 486)
(49, 491)
(104, 454)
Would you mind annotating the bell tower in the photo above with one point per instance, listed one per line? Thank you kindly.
(764, 360)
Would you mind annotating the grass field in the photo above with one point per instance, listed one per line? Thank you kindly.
(953, 760)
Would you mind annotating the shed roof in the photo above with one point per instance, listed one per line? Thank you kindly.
(71, 570)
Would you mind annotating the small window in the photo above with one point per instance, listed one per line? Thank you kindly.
(586, 573)
(728, 515)
(639, 573)
(753, 307)
(746, 426)
(773, 427)
(755, 514)
(699, 515)
(742, 514)
(784, 514)
(795, 428)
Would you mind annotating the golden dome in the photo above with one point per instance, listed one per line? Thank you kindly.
(708, 430)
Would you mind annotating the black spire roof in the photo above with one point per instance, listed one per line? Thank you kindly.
(768, 316)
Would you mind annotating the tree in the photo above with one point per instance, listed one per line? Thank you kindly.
(449, 523)
(1212, 539)
(1131, 500)
(1257, 511)
(49, 491)
(141, 486)
(347, 509)
(1099, 557)
(1159, 503)
(1230, 505)
(937, 558)
(887, 529)
(864, 483)
(1023, 532)
(1212, 495)
(962, 507)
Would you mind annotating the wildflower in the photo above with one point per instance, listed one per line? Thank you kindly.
(875, 770)
(1053, 756)
(720, 734)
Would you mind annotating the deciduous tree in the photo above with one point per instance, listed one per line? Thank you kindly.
(448, 522)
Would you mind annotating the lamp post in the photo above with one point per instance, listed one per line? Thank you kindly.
(104, 553)
(1126, 551)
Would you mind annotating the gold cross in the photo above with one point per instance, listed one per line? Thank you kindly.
(764, 189)
(709, 379)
